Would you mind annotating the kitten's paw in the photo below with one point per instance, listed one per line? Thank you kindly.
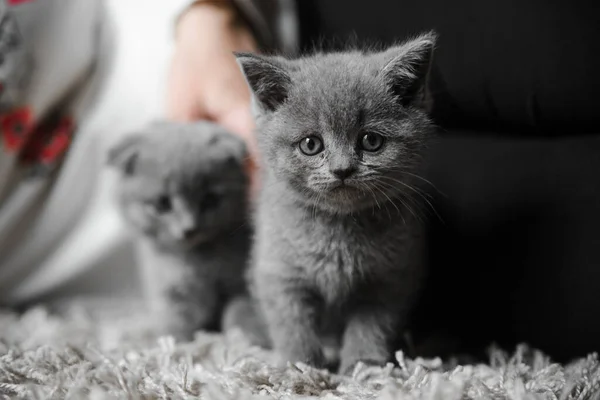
(172, 323)
(240, 313)
(313, 357)
(180, 331)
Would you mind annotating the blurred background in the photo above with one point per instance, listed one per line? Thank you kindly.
(81, 245)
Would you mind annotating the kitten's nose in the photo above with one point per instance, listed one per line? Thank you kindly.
(343, 173)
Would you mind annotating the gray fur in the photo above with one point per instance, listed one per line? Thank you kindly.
(346, 259)
(193, 246)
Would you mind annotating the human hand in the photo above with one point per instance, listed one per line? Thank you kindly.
(205, 81)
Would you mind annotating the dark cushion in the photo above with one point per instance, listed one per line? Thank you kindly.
(517, 256)
(512, 65)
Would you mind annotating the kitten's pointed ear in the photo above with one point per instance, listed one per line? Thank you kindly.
(267, 78)
(407, 67)
(124, 154)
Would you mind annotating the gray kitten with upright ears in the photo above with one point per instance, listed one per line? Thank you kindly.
(337, 244)
(183, 191)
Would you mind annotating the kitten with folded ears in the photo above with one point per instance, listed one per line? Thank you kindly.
(342, 137)
(183, 191)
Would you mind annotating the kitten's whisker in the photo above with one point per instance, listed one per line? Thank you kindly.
(364, 184)
(313, 197)
(424, 180)
(417, 192)
(413, 188)
(417, 212)
(316, 203)
(419, 205)
(404, 203)
(386, 196)
(387, 209)
(376, 185)
(403, 170)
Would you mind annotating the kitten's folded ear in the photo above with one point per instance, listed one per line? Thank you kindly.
(124, 154)
(267, 78)
(237, 150)
(406, 69)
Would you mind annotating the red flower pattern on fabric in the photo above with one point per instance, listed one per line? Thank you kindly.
(59, 143)
(16, 128)
(17, 2)
(44, 144)
(49, 142)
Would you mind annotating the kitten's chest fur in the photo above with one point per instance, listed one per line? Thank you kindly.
(338, 256)
(221, 261)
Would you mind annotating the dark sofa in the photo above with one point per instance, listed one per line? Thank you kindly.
(516, 86)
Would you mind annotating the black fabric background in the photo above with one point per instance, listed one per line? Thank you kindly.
(516, 89)
(529, 64)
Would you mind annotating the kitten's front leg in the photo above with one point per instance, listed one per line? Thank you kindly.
(181, 299)
(241, 313)
(291, 313)
(369, 335)
(191, 306)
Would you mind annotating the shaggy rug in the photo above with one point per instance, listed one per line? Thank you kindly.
(86, 354)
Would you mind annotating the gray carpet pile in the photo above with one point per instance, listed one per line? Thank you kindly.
(81, 354)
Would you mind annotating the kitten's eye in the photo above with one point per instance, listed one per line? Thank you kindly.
(371, 141)
(163, 204)
(311, 145)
